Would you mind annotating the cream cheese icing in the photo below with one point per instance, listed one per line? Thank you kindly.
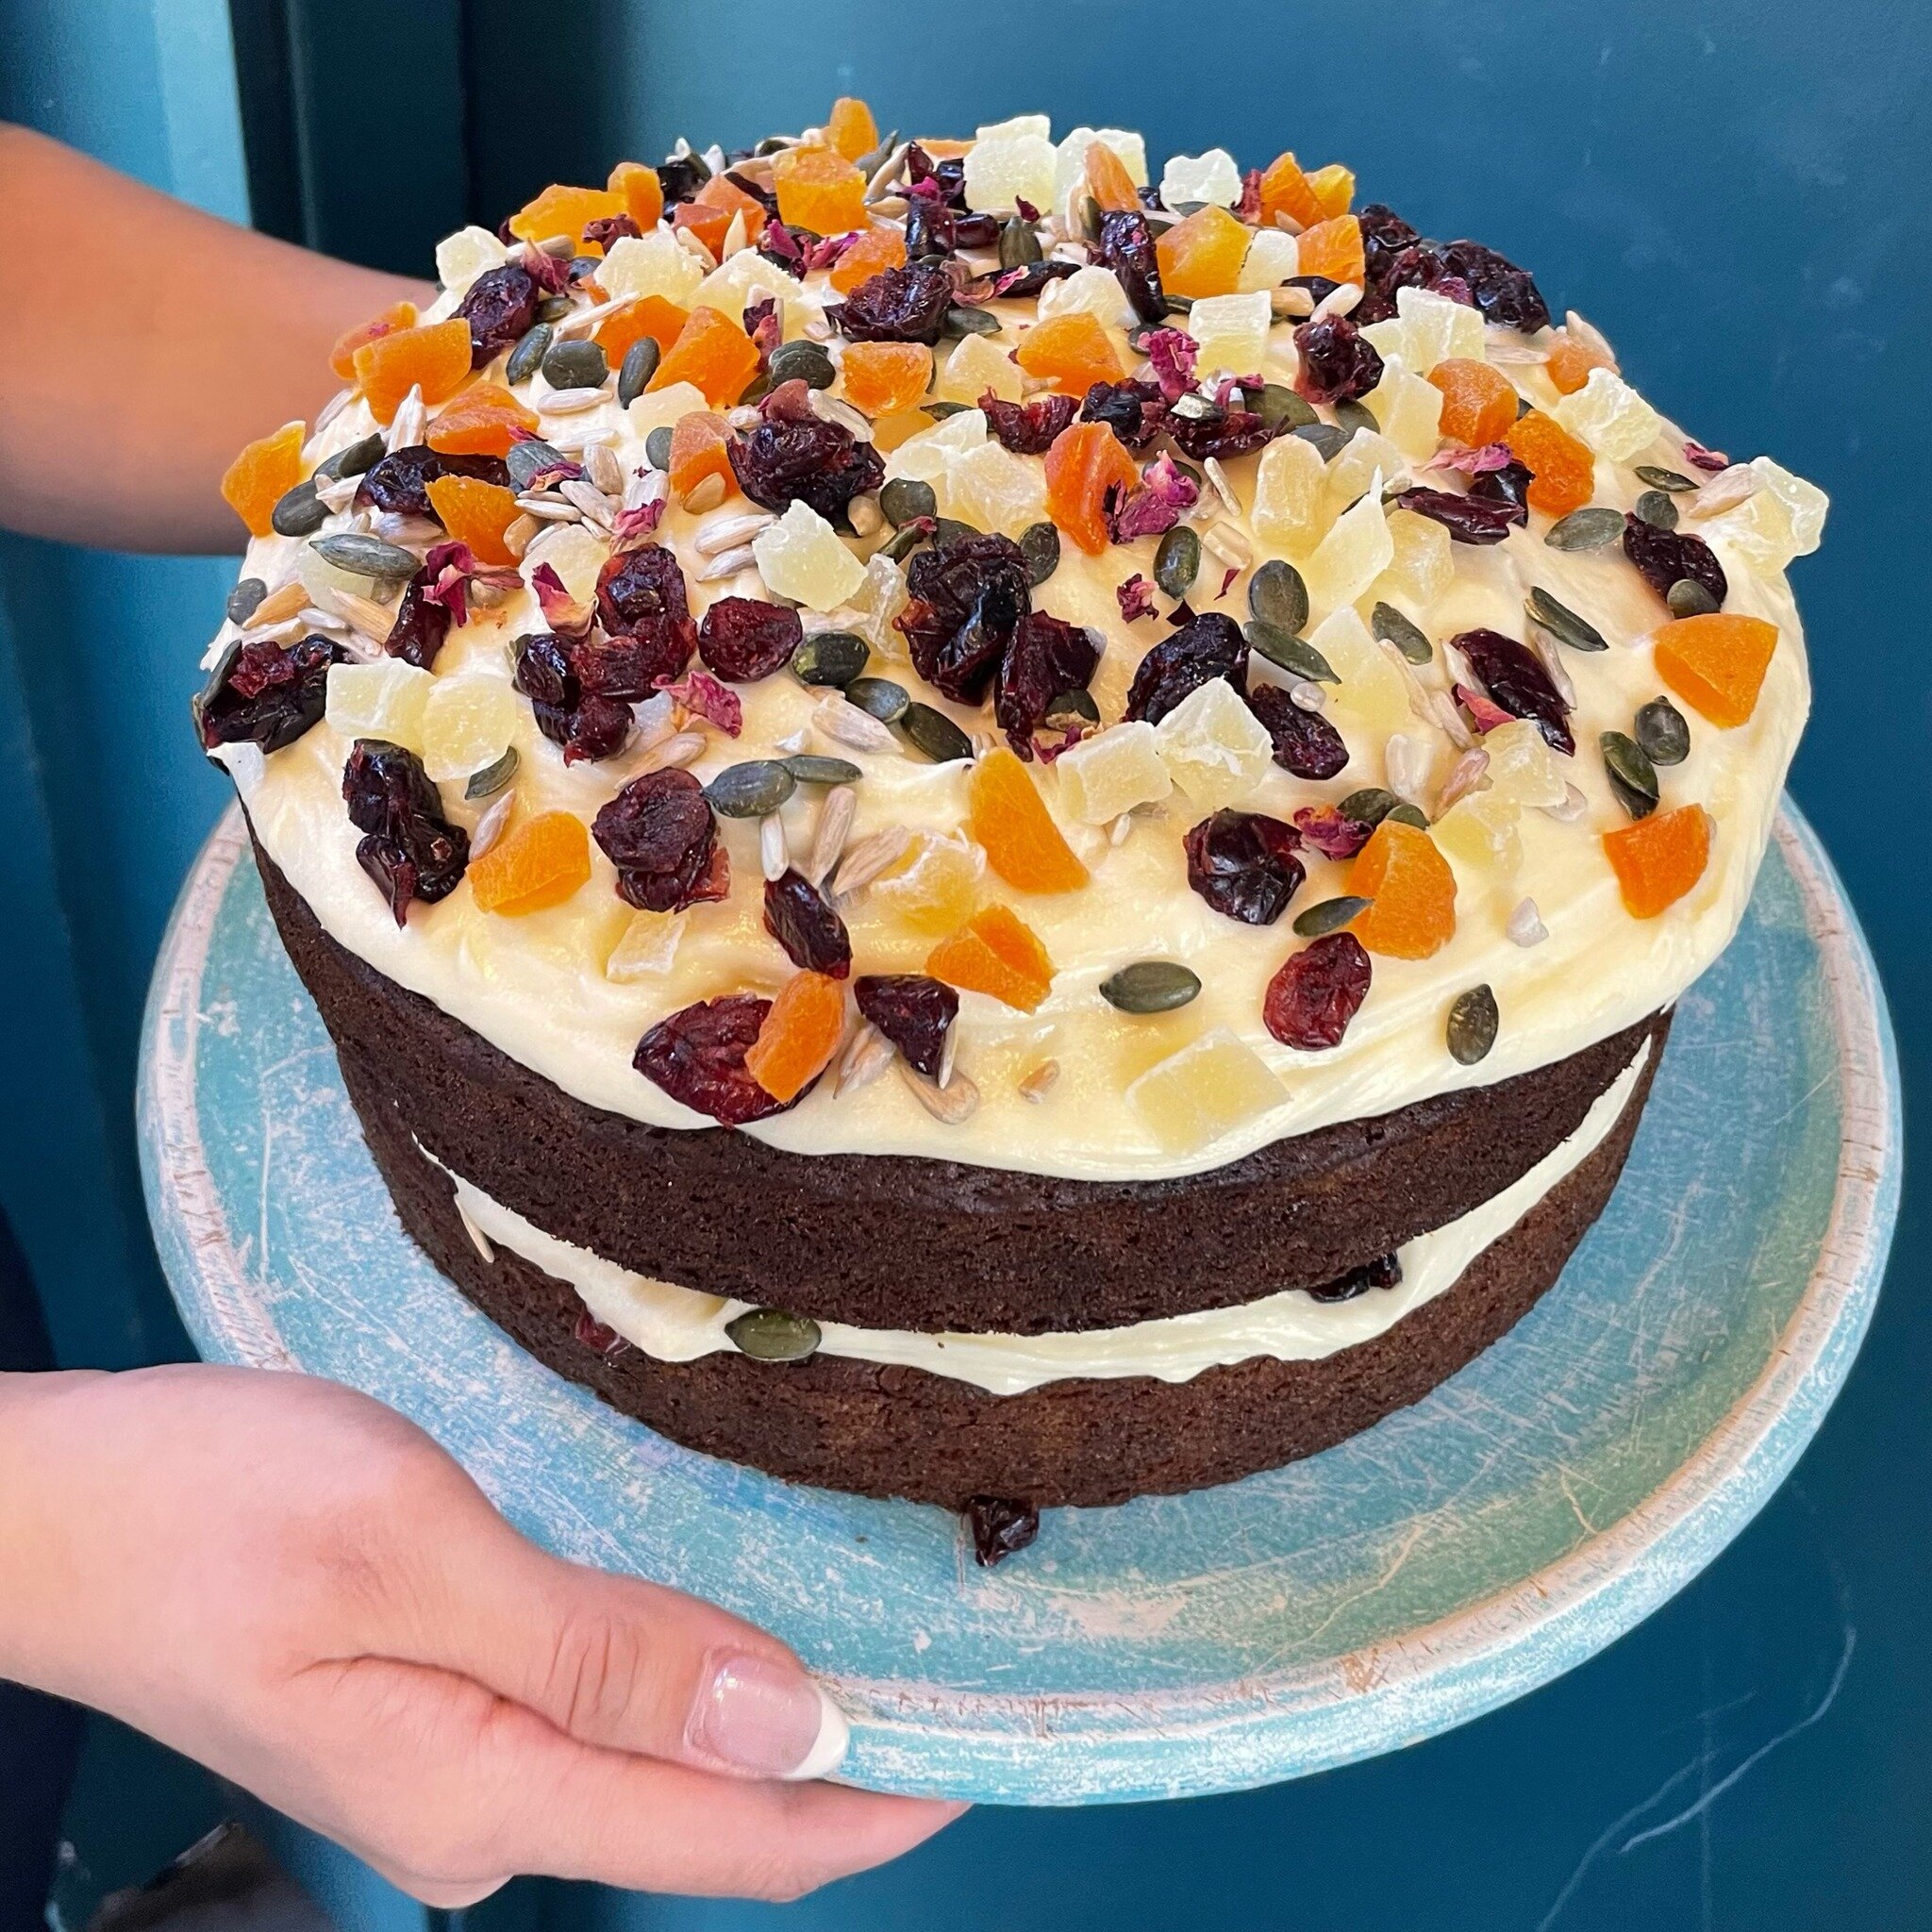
(679, 1325)
(536, 987)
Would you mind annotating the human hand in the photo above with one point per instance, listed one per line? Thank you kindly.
(290, 1583)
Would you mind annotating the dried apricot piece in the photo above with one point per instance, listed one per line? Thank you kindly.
(1286, 191)
(1010, 820)
(655, 316)
(719, 192)
(710, 224)
(342, 358)
(798, 1035)
(1716, 662)
(712, 352)
(996, 952)
(481, 422)
(538, 863)
(820, 189)
(1108, 180)
(265, 473)
(1203, 254)
(434, 357)
(1570, 365)
(564, 211)
(476, 514)
(700, 447)
(1087, 459)
(870, 253)
(1070, 351)
(1659, 858)
(1412, 913)
(1562, 471)
(1478, 402)
(642, 191)
(883, 378)
(1334, 186)
(1331, 248)
(851, 129)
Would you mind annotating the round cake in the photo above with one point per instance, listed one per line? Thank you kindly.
(978, 828)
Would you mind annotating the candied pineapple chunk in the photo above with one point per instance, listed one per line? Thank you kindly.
(467, 722)
(1291, 496)
(1784, 518)
(1002, 168)
(1112, 771)
(1373, 692)
(1480, 833)
(464, 255)
(1214, 748)
(1232, 331)
(384, 699)
(1428, 328)
(976, 366)
(1408, 410)
(1270, 260)
(1351, 556)
(1210, 1086)
(648, 946)
(1523, 768)
(1364, 456)
(800, 556)
(653, 264)
(1608, 415)
(1423, 566)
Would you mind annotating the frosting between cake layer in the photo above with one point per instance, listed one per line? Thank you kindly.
(679, 1325)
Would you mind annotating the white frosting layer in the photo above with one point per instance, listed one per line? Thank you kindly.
(679, 1325)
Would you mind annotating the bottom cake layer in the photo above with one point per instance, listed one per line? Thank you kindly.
(889, 1430)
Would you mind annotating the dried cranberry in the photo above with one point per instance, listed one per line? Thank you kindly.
(746, 639)
(1338, 361)
(660, 834)
(680, 176)
(640, 592)
(1244, 864)
(1384, 237)
(913, 1011)
(1664, 557)
(1218, 433)
(948, 175)
(421, 625)
(501, 310)
(931, 227)
(1395, 256)
(1023, 283)
(810, 462)
(1305, 741)
(1126, 245)
(1515, 679)
(266, 695)
(1383, 1272)
(1317, 993)
(1468, 519)
(1510, 484)
(1047, 657)
(805, 923)
(1506, 295)
(1000, 1526)
(900, 305)
(967, 599)
(410, 850)
(399, 482)
(697, 1057)
(630, 666)
(1209, 645)
(1134, 411)
(1028, 428)
(582, 689)
(606, 229)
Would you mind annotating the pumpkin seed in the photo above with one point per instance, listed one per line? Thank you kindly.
(1290, 652)
(902, 499)
(1368, 806)
(1019, 242)
(635, 371)
(1328, 440)
(1277, 595)
(526, 460)
(885, 700)
(1150, 985)
(356, 460)
(1040, 545)
(300, 512)
(527, 356)
(1177, 561)
(365, 556)
(1564, 623)
(1687, 597)
(751, 789)
(1393, 628)
(1633, 778)
(1279, 407)
(939, 410)
(658, 447)
(494, 776)
(1070, 711)
(812, 770)
(1586, 530)
(770, 1335)
(1472, 1023)
(802, 361)
(576, 365)
(1656, 510)
(934, 733)
(244, 598)
(830, 656)
(1403, 813)
(1353, 416)
(552, 308)
(1662, 733)
(951, 530)
(1330, 915)
(1673, 481)
(962, 321)
(902, 543)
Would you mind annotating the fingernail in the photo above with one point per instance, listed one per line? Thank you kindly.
(765, 1717)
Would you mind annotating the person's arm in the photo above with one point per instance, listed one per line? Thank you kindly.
(135, 367)
(298, 1588)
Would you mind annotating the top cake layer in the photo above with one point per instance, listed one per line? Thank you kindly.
(1272, 601)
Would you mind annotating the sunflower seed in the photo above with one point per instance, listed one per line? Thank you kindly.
(1563, 624)
(1306, 695)
(277, 606)
(833, 828)
(338, 492)
(1687, 597)
(1472, 1023)
(1662, 733)
(730, 533)
(567, 402)
(932, 732)
(1406, 761)
(864, 861)
(1290, 652)
(728, 565)
(550, 510)
(1633, 778)
(1340, 300)
(603, 469)
(1656, 510)
(410, 419)
(952, 1104)
(363, 615)
(1464, 776)
(490, 827)
(864, 516)
(1224, 488)
(837, 409)
(580, 320)
(1525, 927)
(332, 408)
(1330, 915)
(1586, 530)
(1393, 628)
(1228, 543)
(867, 1055)
(844, 723)
(770, 1335)
(706, 495)
(680, 749)
(1726, 491)
(1038, 1083)
(1573, 807)
(1672, 481)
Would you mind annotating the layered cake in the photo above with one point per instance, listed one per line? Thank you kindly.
(982, 827)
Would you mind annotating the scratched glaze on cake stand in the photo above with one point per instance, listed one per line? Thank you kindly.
(1460, 1552)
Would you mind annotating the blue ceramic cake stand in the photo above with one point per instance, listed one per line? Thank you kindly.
(1457, 1555)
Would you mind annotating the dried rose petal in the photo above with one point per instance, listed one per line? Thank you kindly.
(1135, 597)
(1482, 713)
(702, 696)
(1166, 491)
(1173, 353)
(1332, 833)
(1711, 460)
(1474, 462)
(1317, 993)
(562, 611)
